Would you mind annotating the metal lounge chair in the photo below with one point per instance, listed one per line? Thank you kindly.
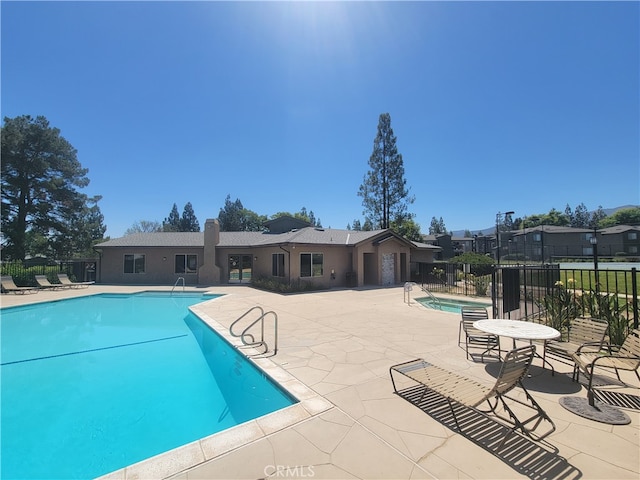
(470, 393)
(44, 283)
(66, 281)
(627, 358)
(9, 286)
(475, 337)
(584, 335)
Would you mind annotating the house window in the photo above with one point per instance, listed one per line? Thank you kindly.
(587, 251)
(277, 264)
(134, 263)
(186, 263)
(633, 249)
(537, 237)
(633, 235)
(588, 236)
(311, 264)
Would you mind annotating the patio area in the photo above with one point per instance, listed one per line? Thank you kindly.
(335, 350)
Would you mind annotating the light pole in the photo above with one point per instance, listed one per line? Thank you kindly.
(498, 222)
(594, 246)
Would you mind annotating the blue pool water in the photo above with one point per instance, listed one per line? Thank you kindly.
(93, 384)
(448, 304)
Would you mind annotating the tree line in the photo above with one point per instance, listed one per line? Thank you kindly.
(44, 212)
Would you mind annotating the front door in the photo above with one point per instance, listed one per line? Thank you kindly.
(240, 267)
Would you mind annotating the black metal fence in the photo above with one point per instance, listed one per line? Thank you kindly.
(24, 273)
(524, 292)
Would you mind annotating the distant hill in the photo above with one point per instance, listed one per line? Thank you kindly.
(492, 229)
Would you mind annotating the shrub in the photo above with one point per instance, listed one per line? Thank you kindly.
(560, 306)
(609, 307)
(482, 285)
(281, 286)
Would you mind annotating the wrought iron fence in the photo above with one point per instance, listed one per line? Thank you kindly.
(24, 273)
(524, 292)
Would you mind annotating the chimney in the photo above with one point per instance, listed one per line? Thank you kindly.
(209, 273)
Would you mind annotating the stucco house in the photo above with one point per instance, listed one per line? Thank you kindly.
(289, 249)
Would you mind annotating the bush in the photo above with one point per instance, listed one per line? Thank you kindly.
(281, 286)
(609, 307)
(482, 285)
(560, 306)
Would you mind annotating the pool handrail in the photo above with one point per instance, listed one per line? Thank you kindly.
(176, 284)
(251, 342)
(435, 299)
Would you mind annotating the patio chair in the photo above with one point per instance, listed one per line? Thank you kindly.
(65, 280)
(44, 283)
(470, 393)
(584, 335)
(9, 286)
(474, 337)
(626, 358)
(475, 313)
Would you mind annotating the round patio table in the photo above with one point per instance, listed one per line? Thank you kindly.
(518, 329)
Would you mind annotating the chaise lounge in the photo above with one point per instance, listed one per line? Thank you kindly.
(460, 390)
(9, 286)
(44, 283)
(66, 281)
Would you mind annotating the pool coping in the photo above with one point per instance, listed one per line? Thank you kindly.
(175, 461)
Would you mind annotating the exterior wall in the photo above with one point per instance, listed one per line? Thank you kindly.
(336, 264)
(159, 266)
(370, 261)
(421, 256)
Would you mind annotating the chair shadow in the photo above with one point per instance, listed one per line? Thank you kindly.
(618, 399)
(540, 380)
(525, 456)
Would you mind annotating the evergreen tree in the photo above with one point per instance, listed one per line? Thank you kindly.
(598, 216)
(437, 226)
(189, 222)
(43, 212)
(384, 192)
(172, 222)
(230, 216)
(581, 217)
(233, 217)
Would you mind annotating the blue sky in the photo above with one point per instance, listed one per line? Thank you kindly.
(496, 106)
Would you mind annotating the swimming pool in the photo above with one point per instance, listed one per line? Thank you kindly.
(449, 304)
(93, 384)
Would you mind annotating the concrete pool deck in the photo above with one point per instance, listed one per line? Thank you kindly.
(335, 350)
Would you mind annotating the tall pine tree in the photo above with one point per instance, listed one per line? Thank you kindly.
(43, 210)
(189, 222)
(385, 196)
(172, 222)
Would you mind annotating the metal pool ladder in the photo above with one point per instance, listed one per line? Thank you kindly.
(248, 339)
(409, 286)
(433, 298)
(176, 284)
